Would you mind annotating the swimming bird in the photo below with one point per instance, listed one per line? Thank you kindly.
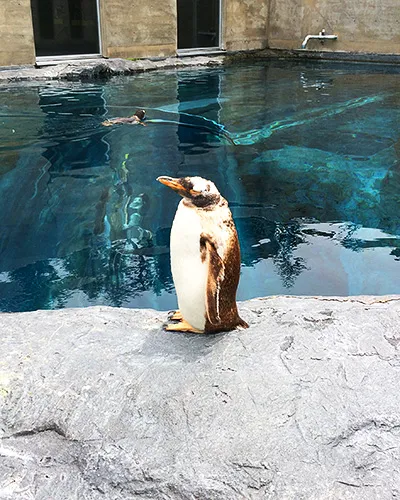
(205, 258)
(136, 119)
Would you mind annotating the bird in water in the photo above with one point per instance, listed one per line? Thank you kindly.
(136, 119)
(205, 259)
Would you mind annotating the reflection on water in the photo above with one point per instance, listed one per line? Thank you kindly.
(313, 182)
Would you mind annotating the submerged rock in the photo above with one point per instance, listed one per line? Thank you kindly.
(102, 403)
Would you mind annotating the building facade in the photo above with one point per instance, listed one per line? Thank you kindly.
(31, 29)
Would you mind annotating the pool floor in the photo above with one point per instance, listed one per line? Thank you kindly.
(307, 154)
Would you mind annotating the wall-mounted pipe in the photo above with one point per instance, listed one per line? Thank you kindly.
(321, 37)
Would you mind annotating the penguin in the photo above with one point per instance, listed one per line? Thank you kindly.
(205, 259)
(136, 119)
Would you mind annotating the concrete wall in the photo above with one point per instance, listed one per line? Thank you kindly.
(361, 26)
(245, 24)
(134, 28)
(16, 33)
(137, 28)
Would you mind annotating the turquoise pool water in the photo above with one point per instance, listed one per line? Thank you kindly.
(306, 154)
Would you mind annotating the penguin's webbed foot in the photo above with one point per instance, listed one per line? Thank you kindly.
(182, 326)
(175, 315)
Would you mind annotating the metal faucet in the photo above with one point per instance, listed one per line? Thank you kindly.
(321, 37)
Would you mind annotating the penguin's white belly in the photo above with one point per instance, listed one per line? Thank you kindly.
(188, 271)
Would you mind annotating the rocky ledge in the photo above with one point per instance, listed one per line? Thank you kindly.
(101, 68)
(87, 69)
(101, 403)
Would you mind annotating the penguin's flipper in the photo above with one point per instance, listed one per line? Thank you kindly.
(216, 274)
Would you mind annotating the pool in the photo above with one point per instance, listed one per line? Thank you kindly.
(307, 155)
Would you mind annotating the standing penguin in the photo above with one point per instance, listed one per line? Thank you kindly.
(205, 259)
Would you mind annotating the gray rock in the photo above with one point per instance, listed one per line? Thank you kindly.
(102, 403)
(96, 68)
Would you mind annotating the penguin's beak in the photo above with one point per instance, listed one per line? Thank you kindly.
(175, 184)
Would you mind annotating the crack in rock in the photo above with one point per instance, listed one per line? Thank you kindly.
(31, 432)
(367, 425)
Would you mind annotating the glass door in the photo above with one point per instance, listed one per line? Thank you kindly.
(65, 27)
(198, 24)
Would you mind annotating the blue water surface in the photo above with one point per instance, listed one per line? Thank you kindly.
(306, 154)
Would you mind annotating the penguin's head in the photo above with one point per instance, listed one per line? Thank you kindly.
(196, 190)
(141, 114)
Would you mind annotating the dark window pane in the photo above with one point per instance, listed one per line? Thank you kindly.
(198, 23)
(65, 27)
(45, 18)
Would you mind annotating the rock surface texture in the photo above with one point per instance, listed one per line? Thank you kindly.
(101, 403)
